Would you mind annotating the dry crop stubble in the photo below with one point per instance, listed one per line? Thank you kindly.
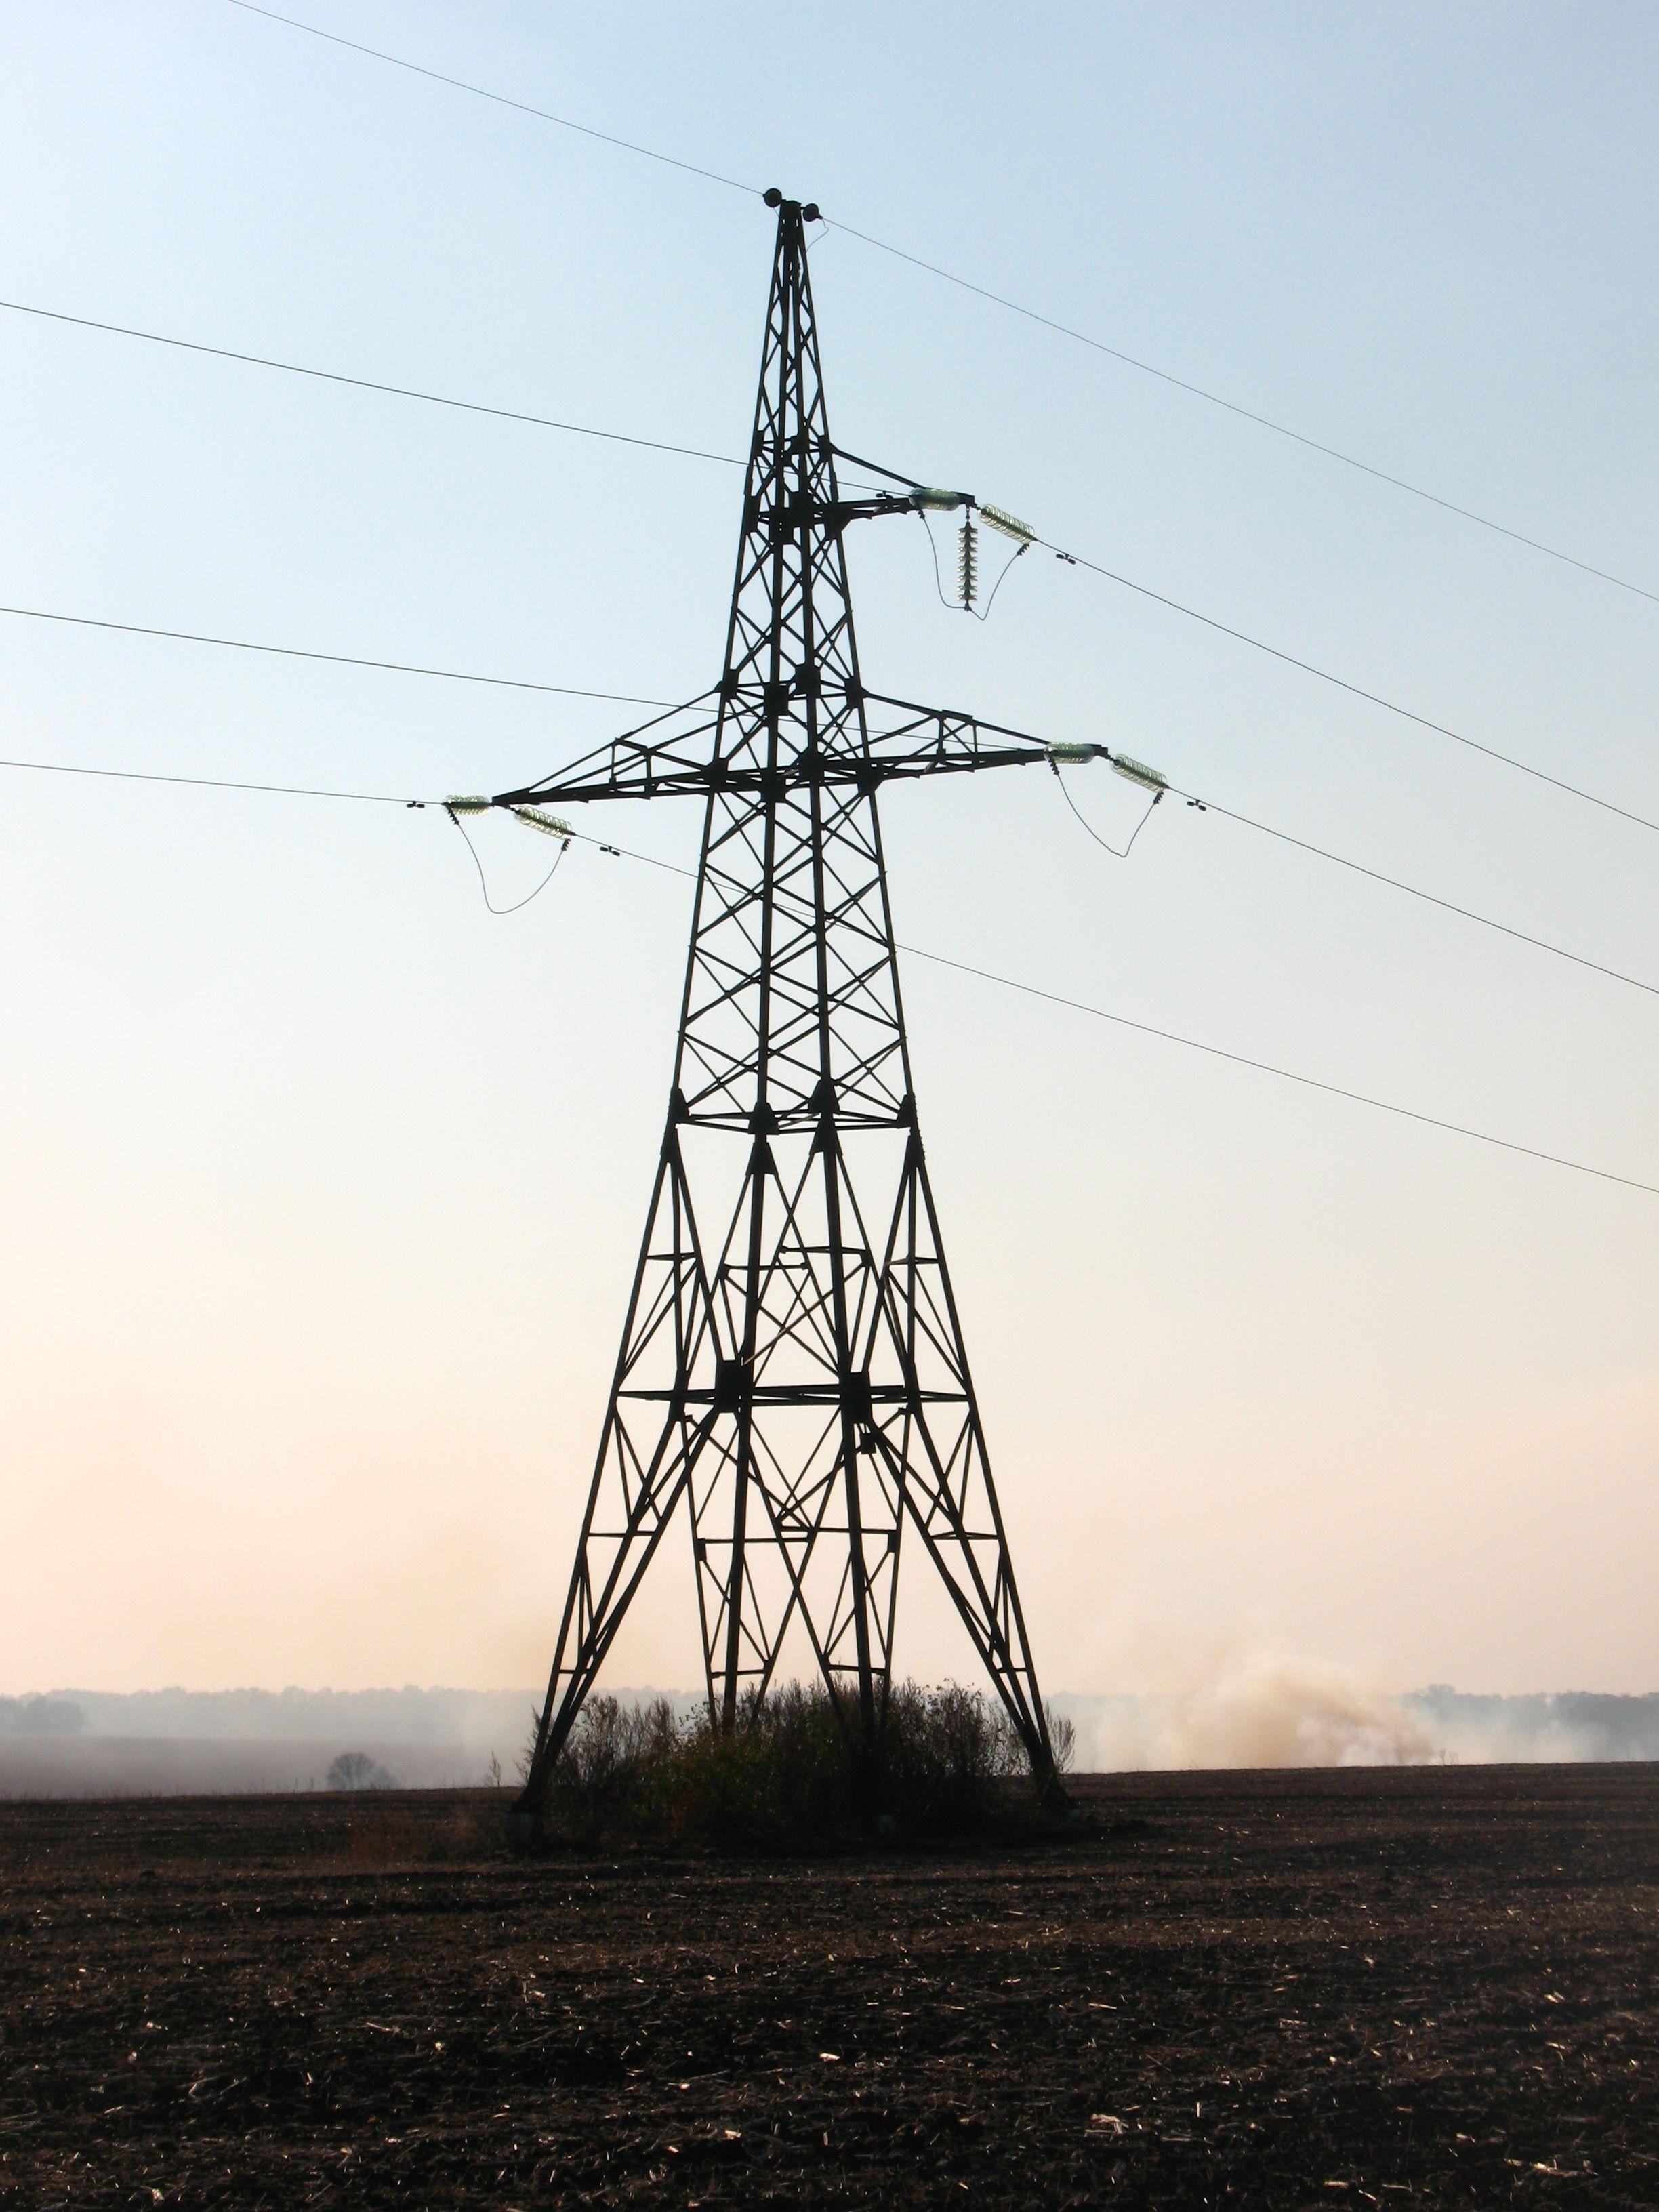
(1282, 1988)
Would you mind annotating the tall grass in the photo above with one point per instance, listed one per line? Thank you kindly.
(792, 1774)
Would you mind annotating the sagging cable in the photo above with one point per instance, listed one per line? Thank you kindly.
(1133, 771)
(533, 817)
(937, 499)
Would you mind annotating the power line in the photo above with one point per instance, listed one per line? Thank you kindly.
(1220, 1052)
(1354, 690)
(501, 100)
(919, 952)
(661, 446)
(1356, 867)
(995, 299)
(315, 791)
(212, 782)
(1286, 1074)
(1245, 413)
(633, 699)
(1215, 1051)
(728, 460)
(1413, 890)
(731, 460)
(336, 659)
(370, 384)
(1209, 806)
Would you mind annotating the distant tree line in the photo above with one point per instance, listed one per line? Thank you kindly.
(1574, 1724)
(41, 1717)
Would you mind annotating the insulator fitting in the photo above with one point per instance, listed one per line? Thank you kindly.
(1009, 525)
(535, 818)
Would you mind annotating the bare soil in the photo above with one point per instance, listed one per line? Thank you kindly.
(1278, 1991)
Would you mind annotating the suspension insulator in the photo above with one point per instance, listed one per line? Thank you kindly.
(968, 562)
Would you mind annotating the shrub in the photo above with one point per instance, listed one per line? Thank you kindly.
(792, 1773)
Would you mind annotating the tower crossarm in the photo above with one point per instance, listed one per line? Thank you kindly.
(901, 741)
(946, 741)
(668, 756)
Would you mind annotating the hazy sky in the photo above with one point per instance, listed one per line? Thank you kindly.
(321, 1188)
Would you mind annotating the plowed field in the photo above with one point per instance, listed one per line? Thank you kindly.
(1275, 1990)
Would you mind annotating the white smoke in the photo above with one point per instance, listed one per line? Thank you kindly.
(1257, 1709)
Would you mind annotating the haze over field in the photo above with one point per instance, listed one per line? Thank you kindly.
(1262, 1711)
(322, 1189)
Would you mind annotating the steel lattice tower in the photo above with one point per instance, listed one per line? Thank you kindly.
(793, 1369)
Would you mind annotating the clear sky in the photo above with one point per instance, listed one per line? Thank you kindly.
(320, 1187)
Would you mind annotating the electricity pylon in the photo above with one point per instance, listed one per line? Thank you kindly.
(792, 1368)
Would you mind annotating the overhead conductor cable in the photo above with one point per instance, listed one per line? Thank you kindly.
(966, 284)
(1068, 753)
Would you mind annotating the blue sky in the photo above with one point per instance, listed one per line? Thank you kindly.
(322, 1187)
